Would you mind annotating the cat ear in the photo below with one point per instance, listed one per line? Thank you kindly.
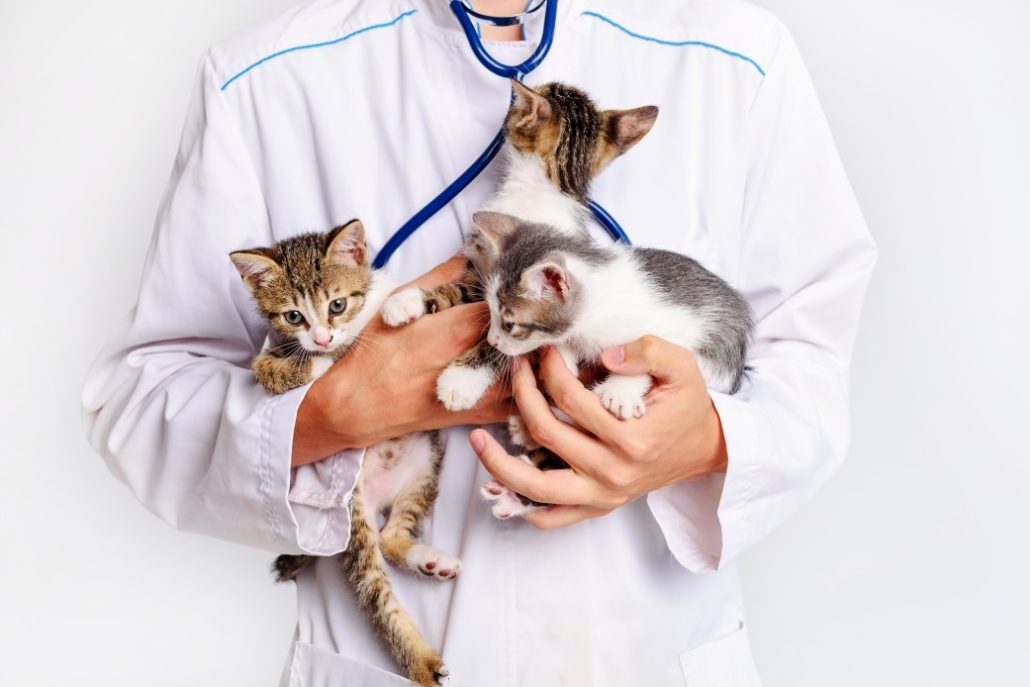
(530, 109)
(490, 229)
(256, 268)
(347, 245)
(627, 127)
(546, 280)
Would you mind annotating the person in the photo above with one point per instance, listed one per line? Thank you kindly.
(353, 108)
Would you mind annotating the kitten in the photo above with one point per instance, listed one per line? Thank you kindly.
(546, 288)
(317, 292)
(557, 142)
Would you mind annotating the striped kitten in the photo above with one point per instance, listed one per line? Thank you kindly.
(557, 142)
(546, 288)
(317, 293)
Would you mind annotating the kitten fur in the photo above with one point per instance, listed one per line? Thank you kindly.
(562, 290)
(557, 141)
(317, 292)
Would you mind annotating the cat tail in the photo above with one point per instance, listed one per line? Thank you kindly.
(366, 569)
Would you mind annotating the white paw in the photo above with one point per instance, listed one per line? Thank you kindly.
(403, 307)
(507, 504)
(460, 388)
(624, 396)
(432, 563)
(519, 433)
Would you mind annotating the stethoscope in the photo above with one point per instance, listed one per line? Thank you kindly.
(517, 72)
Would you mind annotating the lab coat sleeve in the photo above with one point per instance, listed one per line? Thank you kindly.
(171, 403)
(804, 264)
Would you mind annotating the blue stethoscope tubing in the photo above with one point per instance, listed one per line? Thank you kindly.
(517, 72)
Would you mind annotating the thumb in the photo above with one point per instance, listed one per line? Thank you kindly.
(650, 355)
(447, 272)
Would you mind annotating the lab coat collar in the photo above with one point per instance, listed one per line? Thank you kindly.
(438, 15)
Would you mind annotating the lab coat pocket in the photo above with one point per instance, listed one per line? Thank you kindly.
(311, 666)
(724, 662)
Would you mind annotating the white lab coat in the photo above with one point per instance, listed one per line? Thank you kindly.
(361, 108)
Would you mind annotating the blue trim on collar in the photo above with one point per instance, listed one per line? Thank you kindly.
(660, 41)
(352, 34)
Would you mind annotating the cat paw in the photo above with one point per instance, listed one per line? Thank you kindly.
(507, 504)
(623, 397)
(519, 433)
(461, 388)
(428, 671)
(432, 563)
(403, 307)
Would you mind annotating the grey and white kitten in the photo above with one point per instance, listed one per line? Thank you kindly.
(557, 141)
(550, 288)
(317, 292)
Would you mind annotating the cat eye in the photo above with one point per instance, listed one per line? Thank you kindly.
(338, 306)
(293, 317)
(508, 326)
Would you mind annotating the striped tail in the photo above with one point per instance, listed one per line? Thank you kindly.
(366, 568)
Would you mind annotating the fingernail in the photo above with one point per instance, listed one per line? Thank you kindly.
(518, 364)
(615, 355)
(478, 441)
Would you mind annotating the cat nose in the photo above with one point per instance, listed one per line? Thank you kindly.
(324, 340)
(492, 340)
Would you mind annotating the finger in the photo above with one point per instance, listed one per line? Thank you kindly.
(579, 450)
(653, 356)
(551, 486)
(447, 272)
(554, 517)
(575, 400)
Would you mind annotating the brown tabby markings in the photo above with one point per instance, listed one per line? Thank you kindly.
(562, 126)
(575, 140)
(366, 569)
(315, 269)
(299, 269)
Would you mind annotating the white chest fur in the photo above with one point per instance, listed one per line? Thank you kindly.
(528, 194)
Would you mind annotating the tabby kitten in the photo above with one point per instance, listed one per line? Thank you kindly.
(557, 141)
(546, 288)
(317, 292)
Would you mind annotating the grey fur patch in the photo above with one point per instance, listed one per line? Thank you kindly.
(684, 281)
(534, 243)
(680, 280)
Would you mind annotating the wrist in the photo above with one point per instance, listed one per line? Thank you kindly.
(315, 434)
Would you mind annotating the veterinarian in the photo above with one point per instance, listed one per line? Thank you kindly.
(361, 108)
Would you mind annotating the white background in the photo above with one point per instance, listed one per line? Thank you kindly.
(911, 568)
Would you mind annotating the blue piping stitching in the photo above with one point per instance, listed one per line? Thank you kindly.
(675, 43)
(319, 45)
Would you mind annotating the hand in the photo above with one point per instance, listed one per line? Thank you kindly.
(612, 461)
(386, 384)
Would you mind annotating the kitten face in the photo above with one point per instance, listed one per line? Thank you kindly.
(573, 139)
(536, 310)
(309, 287)
(531, 290)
